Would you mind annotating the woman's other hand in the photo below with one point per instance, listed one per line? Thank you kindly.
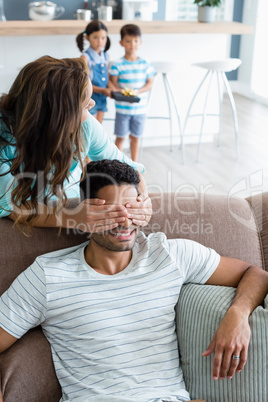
(141, 211)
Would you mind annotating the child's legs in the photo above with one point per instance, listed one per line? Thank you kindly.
(136, 129)
(119, 143)
(121, 128)
(100, 106)
(99, 116)
(134, 147)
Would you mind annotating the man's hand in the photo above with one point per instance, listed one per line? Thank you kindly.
(230, 345)
(232, 337)
(141, 211)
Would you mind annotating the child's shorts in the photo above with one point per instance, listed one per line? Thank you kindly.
(101, 103)
(127, 124)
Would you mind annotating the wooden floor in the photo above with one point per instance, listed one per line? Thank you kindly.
(218, 170)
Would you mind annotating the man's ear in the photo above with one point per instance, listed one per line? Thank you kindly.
(121, 43)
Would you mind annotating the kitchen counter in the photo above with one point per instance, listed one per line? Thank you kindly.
(73, 27)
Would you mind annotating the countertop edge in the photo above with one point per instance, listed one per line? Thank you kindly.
(74, 27)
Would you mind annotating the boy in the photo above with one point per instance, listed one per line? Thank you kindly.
(135, 73)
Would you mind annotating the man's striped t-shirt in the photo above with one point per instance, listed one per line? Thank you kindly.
(112, 337)
(132, 74)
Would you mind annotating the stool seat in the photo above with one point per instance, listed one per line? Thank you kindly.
(166, 67)
(216, 69)
(225, 65)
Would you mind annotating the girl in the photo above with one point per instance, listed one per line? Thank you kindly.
(97, 60)
(46, 135)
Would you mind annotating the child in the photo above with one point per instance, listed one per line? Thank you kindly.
(136, 73)
(97, 60)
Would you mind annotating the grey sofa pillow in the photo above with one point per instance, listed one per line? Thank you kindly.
(200, 310)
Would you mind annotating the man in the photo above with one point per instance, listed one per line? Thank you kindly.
(107, 306)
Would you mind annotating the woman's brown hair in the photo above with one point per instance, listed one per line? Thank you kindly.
(43, 113)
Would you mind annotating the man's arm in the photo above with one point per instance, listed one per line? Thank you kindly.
(6, 340)
(233, 335)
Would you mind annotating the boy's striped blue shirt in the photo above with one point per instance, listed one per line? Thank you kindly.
(132, 74)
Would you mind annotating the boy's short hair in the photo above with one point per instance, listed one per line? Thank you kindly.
(131, 30)
(106, 172)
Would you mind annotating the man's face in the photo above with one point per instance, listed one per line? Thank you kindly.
(123, 237)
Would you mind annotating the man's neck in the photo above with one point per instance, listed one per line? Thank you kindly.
(106, 262)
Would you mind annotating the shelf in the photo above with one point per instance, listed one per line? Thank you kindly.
(74, 27)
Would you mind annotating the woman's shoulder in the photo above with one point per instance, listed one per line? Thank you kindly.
(91, 127)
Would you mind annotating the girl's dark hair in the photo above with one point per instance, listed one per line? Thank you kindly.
(131, 30)
(43, 116)
(104, 173)
(93, 26)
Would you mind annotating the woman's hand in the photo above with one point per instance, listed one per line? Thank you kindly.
(141, 211)
(93, 216)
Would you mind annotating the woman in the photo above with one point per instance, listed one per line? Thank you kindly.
(46, 135)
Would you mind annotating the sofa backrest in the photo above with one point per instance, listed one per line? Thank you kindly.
(234, 227)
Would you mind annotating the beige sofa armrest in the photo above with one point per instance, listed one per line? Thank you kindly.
(27, 372)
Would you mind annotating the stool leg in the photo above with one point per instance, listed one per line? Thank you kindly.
(232, 102)
(220, 107)
(141, 138)
(204, 116)
(191, 104)
(169, 109)
(178, 117)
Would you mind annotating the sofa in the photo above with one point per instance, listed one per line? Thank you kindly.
(234, 227)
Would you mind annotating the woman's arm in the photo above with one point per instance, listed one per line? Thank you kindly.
(89, 216)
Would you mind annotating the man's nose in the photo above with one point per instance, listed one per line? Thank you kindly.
(127, 222)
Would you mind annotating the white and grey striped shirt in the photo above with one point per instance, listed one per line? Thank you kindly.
(112, 337)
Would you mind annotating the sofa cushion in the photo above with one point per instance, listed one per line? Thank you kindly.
(226, 224)
(199, 312)
(29, 362)
(19, 251)
(259, 207)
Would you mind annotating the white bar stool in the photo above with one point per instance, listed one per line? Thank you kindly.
(217, 68)
(164, 68)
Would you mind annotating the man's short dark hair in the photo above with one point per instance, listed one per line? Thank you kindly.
(131, 30)
(105, 173)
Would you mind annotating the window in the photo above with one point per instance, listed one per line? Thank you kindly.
(185, 10)
(260, 62)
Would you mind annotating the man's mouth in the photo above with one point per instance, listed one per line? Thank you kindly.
(123, 235)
